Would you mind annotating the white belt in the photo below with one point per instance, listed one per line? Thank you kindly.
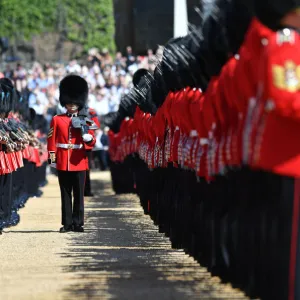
(69, 146)
(203, 141)
(193, 133)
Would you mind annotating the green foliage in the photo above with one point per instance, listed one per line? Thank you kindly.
(24, 18)
(88, 22)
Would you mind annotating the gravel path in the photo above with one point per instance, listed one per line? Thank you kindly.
(120, 255)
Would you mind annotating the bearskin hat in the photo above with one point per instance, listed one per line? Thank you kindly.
(73, 89)
(112, 120)
(138, 75)
(270, 12)
(238, 15)
(127, 106)
(12, 99)
(8, 95)
(141, 94)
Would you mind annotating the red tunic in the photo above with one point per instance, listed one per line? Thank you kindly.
(123, 136)
(166, 108)
(94, 117)
(209, 121)
(62, 133)
(277, 143)
(173, 112)
(186, 126)
(200, 147)
(227, 114)
(112, 145)
(159, 127)
(245, 80)
(230, 149)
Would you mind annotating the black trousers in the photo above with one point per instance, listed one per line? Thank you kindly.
(102, 156)
(72, 182)
(7, 200)
(87, 188)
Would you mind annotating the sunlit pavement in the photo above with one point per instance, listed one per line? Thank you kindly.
(121, 254)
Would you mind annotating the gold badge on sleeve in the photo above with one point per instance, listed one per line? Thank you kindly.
(287, 77)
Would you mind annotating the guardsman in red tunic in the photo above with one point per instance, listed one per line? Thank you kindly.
(276, 146)
(279, 106)
(200, 147)
(67, 146)
(245, 81)
(209, 122)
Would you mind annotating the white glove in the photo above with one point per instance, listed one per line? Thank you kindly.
(87, 137)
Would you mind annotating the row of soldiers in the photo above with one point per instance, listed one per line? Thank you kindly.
(23, 154)
(209, 142)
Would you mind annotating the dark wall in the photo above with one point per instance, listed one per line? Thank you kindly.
(144, 24)
(153, 23)
(124, 23)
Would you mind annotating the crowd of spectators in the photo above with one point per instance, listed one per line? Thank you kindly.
(109, 77)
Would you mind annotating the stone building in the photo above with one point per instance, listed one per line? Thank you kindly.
(144, 24)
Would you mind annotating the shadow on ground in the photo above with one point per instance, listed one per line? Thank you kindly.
(121, 255)
(31, 231)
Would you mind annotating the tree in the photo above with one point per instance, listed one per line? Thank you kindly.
(22, 19)
(90, 23)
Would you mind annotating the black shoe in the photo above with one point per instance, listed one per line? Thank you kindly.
(78, 228)
(65, 229)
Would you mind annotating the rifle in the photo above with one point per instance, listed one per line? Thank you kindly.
(83, 123)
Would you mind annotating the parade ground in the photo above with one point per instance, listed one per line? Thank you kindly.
(121, 254)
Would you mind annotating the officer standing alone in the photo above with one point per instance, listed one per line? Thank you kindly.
(67, 149)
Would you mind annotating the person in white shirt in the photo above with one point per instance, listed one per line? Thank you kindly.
(102, 103)
(73, 67)
(92, 100)
(38, 101)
